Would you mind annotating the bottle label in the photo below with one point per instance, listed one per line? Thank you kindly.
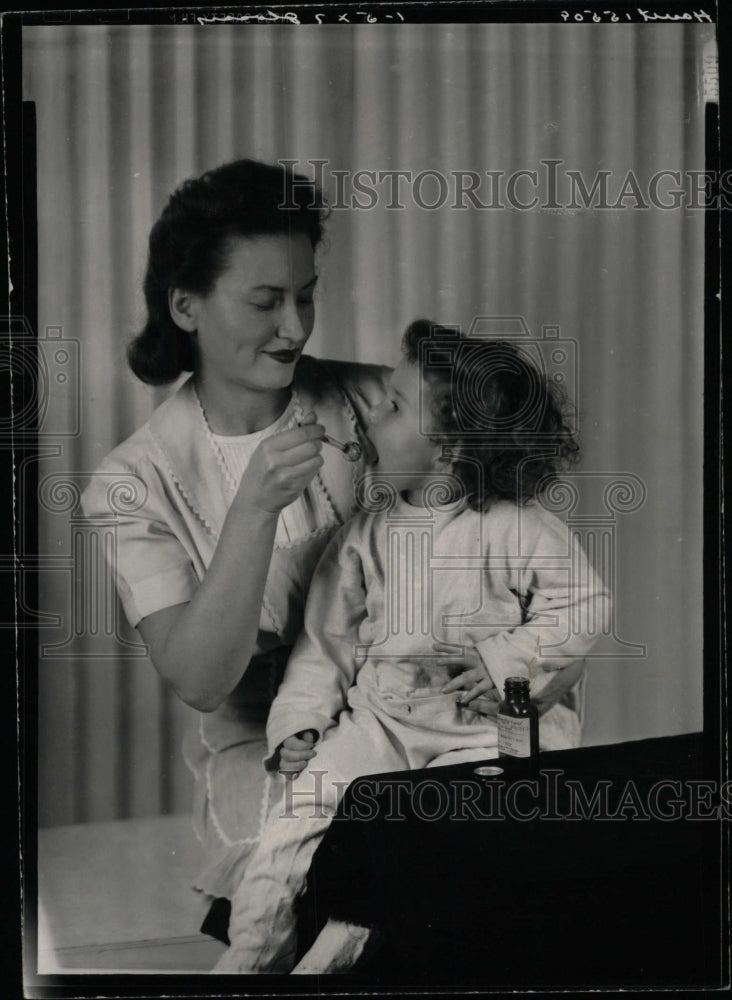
(514, 736)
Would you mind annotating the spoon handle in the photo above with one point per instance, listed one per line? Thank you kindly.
(336, 444)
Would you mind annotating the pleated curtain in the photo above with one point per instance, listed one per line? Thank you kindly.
(125, 113)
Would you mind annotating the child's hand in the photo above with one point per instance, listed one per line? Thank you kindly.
(487, 704)
(473, 679)
(296, 751)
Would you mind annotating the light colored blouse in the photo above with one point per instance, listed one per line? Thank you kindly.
(166, 488)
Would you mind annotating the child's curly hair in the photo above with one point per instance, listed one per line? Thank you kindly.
(506, 422)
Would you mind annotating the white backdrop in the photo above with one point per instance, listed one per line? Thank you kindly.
(124, 114)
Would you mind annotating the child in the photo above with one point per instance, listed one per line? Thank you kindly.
(463, 555)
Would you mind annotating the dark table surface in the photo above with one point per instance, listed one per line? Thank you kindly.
(591, 867)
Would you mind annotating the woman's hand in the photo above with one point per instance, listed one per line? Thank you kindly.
(472, 680)
(295, 752)
(281, 467)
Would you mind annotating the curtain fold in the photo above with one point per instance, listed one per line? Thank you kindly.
(125, 114)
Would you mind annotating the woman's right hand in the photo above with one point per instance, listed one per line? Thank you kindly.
(281, 467)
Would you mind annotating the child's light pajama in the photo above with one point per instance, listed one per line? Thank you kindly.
(512, 582)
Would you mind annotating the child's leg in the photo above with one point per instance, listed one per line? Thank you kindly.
(337, 949)
(263, 926)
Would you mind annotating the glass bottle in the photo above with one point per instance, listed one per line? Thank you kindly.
(518, 721)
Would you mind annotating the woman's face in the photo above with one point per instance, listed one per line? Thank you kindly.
(252, 326)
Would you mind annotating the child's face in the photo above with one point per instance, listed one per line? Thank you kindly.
(394, 430)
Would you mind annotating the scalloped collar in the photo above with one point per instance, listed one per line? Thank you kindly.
(180, 434)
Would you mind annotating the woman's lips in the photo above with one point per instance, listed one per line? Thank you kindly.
(284, 357)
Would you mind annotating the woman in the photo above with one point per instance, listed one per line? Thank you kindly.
(237, 494)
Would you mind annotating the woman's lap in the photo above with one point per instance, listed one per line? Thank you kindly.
(233, 796)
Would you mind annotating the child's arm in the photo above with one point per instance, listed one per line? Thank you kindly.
(322, 667)
(477, 689)
(293, 755)
(566, 602)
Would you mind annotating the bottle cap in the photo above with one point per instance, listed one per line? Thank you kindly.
(488, 772)
(516, 684)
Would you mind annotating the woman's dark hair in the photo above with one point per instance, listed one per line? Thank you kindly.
(506, 421)
(190, 241)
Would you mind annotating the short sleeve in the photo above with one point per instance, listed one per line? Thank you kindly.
(151, 567)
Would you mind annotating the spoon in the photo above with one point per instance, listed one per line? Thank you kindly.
(352, 450)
